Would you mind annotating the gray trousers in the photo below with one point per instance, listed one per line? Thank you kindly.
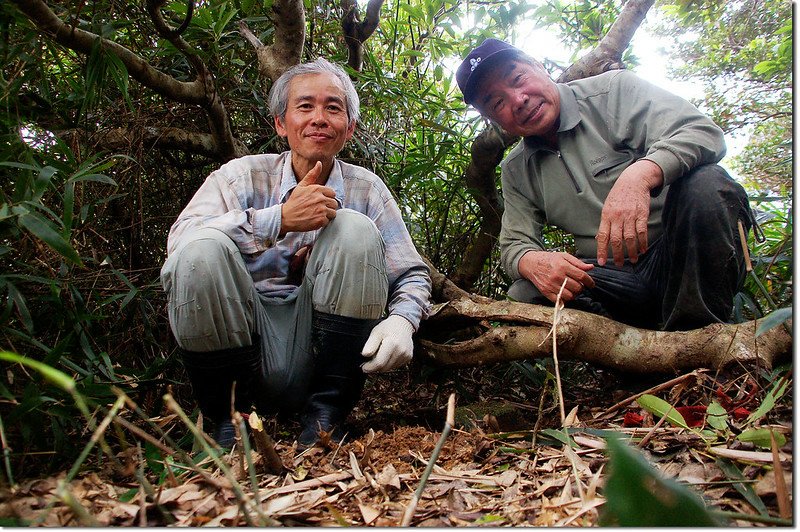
(213, 304)
(687, 278)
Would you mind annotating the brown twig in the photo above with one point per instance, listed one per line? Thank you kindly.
(651, 433)
(653, 390)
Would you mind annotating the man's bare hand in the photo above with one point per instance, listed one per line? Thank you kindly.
(547, 270)
(310, 206)
(623, 221)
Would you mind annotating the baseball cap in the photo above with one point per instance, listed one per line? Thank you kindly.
(469, 72)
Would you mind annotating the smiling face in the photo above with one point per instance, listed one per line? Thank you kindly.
(521, 98)
(316, 124)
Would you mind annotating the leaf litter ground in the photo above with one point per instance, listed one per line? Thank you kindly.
(504, 464)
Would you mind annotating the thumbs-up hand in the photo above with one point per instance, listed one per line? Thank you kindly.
(311, 177)
(310, 206)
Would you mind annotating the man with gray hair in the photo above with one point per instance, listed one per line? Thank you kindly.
(293, 274)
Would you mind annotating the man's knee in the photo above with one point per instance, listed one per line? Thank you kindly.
(354, 233)
(198, 259)
(210, 303)
(707, 188)
(706, 203)
(205, 246)
(347, 269)
(524, 291)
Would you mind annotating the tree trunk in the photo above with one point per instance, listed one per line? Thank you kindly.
(481, 175)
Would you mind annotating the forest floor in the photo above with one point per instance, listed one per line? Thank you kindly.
(505, 462)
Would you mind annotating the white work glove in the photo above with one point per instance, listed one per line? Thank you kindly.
(389, 345)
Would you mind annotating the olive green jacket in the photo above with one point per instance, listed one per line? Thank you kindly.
(607, 122)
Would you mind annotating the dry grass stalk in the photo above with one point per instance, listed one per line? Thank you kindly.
(556, 316)
(784, 505)
(245, 503)
(561, 408)
(241, 432)
(449, 422)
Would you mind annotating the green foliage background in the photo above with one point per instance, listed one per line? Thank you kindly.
(85, 210)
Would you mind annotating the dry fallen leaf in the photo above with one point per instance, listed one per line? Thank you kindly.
(507, 478)
(388, 477)
(766, 486)
(368, 513)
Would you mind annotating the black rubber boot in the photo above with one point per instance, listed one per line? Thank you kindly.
(212, 374)
(337, 379)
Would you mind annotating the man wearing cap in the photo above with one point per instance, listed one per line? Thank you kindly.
(630, 171)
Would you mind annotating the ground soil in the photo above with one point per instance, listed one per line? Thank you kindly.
(504, 463)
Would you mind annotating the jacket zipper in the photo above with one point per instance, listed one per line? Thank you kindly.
(572, 177)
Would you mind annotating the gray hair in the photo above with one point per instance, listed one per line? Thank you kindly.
(279, 93)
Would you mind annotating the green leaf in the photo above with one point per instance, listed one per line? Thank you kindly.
(489, 519)
(659, 407)
(119, 74)
(637, 495)
(5, 213)
(773, 319)
(745, 488)
(413, 11)
(559, 436)
(43, 230)
(22, 166)
(59, 378)
(769, 401)
(412, 53)
(761, 437)
(99, 178)
(717, 416)
(22, 307)
(69, 207)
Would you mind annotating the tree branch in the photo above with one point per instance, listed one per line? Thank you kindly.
(82, 41)
(200, 92)
(607, 55)
(219, 123)
(357, 32)
(171, 138)
(289, 22)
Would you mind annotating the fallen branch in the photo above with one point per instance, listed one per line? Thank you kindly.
(480, 333)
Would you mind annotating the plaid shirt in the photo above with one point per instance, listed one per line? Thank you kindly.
(243, 200)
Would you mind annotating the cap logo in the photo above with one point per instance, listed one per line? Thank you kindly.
(474, 63)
